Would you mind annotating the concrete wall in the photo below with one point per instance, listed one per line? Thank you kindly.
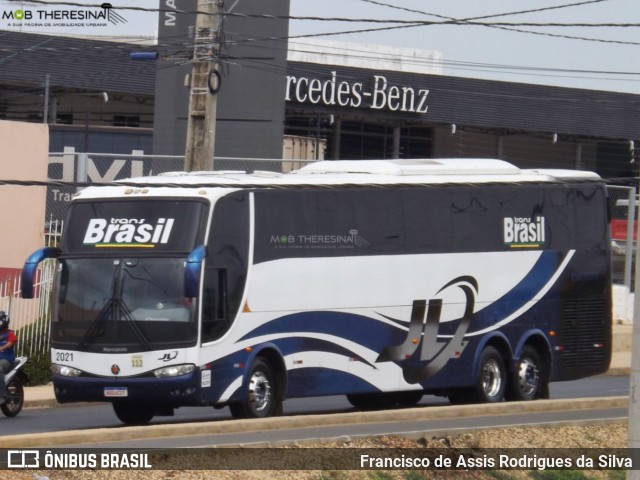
(24, 156)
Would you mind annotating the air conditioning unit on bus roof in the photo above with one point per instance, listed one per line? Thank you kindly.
(448, 166)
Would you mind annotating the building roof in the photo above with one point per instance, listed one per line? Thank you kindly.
(25, 59)
(380, 57)
(489, 104)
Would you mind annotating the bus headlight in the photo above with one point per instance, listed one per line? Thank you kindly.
(65, 371)
(174, 371)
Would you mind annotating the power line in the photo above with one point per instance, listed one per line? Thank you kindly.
(354, 53)
(531, 32)
(452, 21)
(265, 66)
(398, 27)
(283, 186)
(452, 64)
(343, 48)
(504, 14)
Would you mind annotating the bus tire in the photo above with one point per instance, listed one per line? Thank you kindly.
(133, 414)
(491, 382)
(372, 401)
(529, 377)
(461, 396)
(262, 396)
(409, 398)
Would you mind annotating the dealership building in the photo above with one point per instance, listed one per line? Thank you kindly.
(345, 101)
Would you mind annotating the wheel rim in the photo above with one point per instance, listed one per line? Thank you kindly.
(491, 378)
(528, 377)
(259, 392)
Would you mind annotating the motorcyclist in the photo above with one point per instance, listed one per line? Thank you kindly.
(8, 340)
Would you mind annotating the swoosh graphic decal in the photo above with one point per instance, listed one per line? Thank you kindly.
(363, 332)
(354, 332)
(521, 298)
(529, 304)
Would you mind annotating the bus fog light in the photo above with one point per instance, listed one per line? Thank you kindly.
(174, 371)
(65, 371)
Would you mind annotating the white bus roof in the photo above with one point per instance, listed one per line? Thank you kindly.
(353, 172)
(453, 166)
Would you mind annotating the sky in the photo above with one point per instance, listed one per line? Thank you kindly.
(479, 51)
(471, 44)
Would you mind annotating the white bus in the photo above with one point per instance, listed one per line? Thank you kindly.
(380, 280)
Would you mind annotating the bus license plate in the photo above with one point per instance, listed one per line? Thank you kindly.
(115, 392)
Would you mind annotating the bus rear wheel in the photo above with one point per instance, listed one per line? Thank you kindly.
(409, 398)
(262, 394)
(529, 378)
(384, 400)
(133, 414)
(461, 396)
(372, 401)
(491, 381)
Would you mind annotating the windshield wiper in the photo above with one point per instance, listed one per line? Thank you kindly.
(126, 314)
(115, 309)
(104, 314)
(121, 311)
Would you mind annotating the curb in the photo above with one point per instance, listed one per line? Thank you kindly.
(618, 372)
(104, 435)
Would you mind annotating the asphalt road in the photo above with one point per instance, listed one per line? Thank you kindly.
(101, 416)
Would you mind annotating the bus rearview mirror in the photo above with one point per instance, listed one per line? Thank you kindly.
(193, 270)
(27, 277)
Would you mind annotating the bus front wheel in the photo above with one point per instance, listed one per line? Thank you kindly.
(262, 394)
(133, 414)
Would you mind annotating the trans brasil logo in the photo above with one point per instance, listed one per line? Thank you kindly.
(127, 232)
(524, 232)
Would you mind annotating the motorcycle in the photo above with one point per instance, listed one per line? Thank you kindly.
(15, 380)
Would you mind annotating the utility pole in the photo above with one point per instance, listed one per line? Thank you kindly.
(204, 85)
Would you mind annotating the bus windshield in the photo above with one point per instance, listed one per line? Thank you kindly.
(122, 305)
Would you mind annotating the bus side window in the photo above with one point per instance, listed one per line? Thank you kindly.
(215, 318)
(226, 266)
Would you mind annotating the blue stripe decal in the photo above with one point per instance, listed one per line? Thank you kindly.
(325, 381)
(294, 345)
(356, 328)
(521, 294)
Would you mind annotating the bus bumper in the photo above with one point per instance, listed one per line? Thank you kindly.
(176, 391)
